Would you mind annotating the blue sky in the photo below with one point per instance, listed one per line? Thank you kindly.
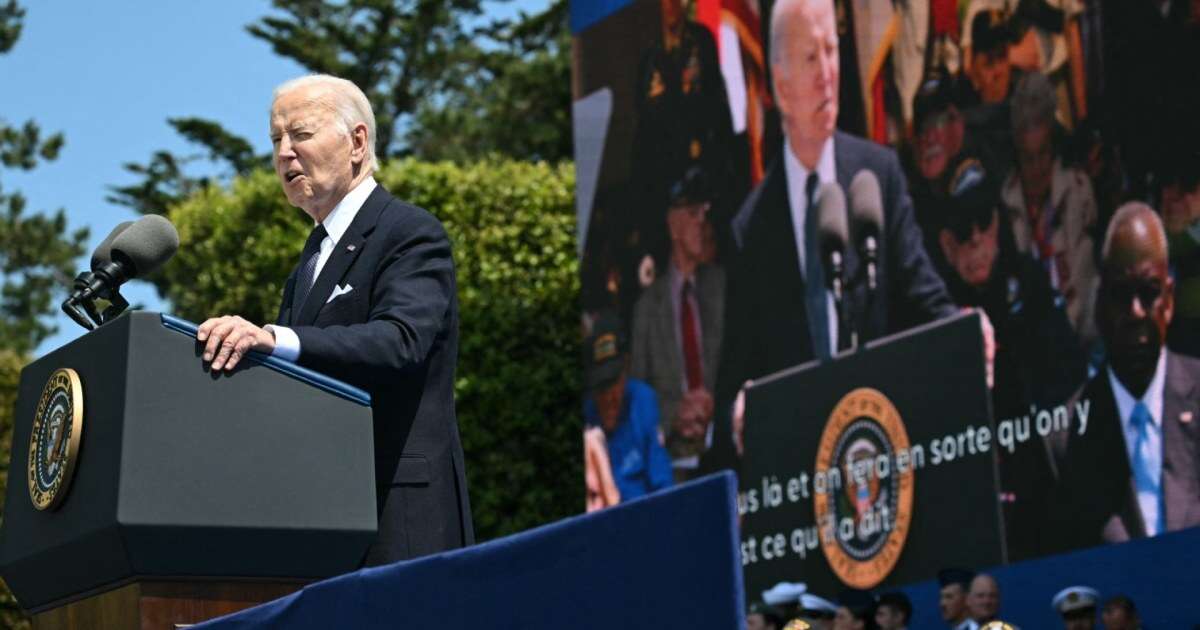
(109, 74)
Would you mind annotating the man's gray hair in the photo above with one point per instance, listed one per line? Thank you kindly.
(778, 35)
(345, 99)
(1033, 102)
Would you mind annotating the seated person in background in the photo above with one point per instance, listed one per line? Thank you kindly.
(627, 410)
(1180, 194)
(1051, 207)
(893, 611)
(785, 597)
(1133, 470)
(1077, 606)
(983, 599)
(1038, 359)
(677, 327)
(856, 611)
(1120, 614)
(939, 137)
(989, 72)
(763, 617)
(952, 598)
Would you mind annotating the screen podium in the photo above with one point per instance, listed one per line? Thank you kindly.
(874, 469)
(145, 491)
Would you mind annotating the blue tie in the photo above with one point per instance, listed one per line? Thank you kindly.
(1147, 466)
(304, 280)
(814, 273)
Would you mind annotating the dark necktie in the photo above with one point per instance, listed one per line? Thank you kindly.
(814, 273)
(308, 268)
(691, 347)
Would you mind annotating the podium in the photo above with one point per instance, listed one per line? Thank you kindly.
(146, 491)
(874, 469)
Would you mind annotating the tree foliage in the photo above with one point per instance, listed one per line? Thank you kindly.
(512, 228)
(445, 83)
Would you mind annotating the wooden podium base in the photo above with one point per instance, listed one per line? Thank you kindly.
(154, 605)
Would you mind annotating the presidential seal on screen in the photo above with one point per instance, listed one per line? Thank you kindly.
(863, 488)
(54, 443)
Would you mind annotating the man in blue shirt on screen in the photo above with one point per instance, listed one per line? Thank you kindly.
(626, 409)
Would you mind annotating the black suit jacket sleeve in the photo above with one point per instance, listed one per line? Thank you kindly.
(413, 286)
(916, 292)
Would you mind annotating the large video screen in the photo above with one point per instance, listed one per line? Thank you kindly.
(925, 274)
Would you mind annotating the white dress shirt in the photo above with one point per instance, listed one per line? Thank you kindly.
(797, 177)
(287, 344)
(1148, 502)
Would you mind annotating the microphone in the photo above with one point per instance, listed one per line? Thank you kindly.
(101, 255)
(832, 234)
(866, 211)
(134, 251)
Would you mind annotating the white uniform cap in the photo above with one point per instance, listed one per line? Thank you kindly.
(1074, 598)
(783, 593)
(808, 601)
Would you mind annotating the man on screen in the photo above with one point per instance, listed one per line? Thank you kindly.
(1134, 469)
(372, 302)
(778, 313)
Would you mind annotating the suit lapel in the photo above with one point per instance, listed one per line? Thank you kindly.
(1180, 485)
(345, 251)
(666, 332)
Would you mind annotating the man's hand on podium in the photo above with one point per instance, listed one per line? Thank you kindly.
(228, 338)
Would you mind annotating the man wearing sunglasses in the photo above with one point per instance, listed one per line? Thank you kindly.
(1038, 358)
(1133, 469)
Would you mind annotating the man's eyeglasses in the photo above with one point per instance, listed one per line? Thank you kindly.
(1147, 293)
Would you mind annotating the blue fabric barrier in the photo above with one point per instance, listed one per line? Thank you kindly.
(1159, 574)
(667, 560)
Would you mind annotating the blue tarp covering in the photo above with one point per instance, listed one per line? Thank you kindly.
(668, 560)
(1160, 574)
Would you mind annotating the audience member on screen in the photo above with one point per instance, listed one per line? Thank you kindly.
(1038, 359)
(817, 611)
(1051, 206)
(1134, 469)
(626, 409)
(677, 323)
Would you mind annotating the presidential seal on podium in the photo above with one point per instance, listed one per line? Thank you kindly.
(54, 442)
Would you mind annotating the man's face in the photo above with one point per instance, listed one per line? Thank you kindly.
(1117, 618)
(952, 602)
(608, 403)
(889, 618)
(983, 601)
(807, 85)
(315, 157)
(672, 14)
(1180, 207)
(990, 74)
(755, 621)
(1081, 620)
(973, 257)
(845, 620)
(1136, 304)
(1035, 160)
(686, 224)
(939, 140)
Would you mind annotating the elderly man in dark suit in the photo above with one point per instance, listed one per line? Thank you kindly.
(778, 313)
(677, 326)
(1132, 463)
(372, 302)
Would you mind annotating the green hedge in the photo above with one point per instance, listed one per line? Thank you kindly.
(512, 225)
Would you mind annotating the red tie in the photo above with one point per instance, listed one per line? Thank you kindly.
(691, 348)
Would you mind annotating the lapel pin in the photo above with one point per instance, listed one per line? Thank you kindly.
(1185, 417)
(350, 247)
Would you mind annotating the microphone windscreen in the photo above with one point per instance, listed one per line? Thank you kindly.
(866, 204)
(103, 252)
(832, 230)
(146, 244)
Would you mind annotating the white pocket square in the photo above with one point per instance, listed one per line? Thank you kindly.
(338, 291)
